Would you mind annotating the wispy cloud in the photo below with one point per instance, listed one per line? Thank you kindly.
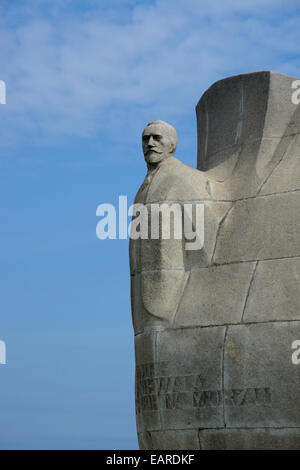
(77, 71)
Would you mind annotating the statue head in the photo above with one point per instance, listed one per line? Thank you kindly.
(159, 140)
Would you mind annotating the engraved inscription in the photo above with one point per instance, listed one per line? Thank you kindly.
(248, 397)
(155, 392)
(207, 398)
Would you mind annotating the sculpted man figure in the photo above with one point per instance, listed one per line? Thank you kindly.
(159, 141)
(159, 266)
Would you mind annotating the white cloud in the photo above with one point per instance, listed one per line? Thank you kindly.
(74, 73)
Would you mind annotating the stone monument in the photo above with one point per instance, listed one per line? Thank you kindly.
(214, 327)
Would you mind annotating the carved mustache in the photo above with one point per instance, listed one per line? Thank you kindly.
(152, 150)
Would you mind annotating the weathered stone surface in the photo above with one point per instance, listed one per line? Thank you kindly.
(161, 254)
(283, 116)
(176, 181)
(244, 171)
(250, 439)
(145, 441)
(263, 382)
(261, 228)
(231, 112)
(161, 292)
(188, 401)
(141, 317)
(286, 175)
(185, 439)
(214, 214)
(174, 440)
(147, 412)
(201, 303)
(137, 309)
(274, 293)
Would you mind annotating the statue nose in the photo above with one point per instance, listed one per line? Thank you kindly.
(151, 141)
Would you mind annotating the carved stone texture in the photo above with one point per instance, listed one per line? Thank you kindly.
(214, 327)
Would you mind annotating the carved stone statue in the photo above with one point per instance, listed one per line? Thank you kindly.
(214, 327)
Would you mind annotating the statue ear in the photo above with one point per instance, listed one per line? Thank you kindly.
(172, 148)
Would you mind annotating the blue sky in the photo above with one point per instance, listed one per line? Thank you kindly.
(83, 78)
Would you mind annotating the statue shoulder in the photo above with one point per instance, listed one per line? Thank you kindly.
(178, 182)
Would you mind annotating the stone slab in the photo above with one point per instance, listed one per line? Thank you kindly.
(192, 365)
(262, 384)
(286, 175)
(145, 441)
(175, 440)
(275, 291)
(250, 439)
(215, 295)
(260, 228)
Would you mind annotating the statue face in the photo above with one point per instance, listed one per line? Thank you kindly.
(157, 144)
